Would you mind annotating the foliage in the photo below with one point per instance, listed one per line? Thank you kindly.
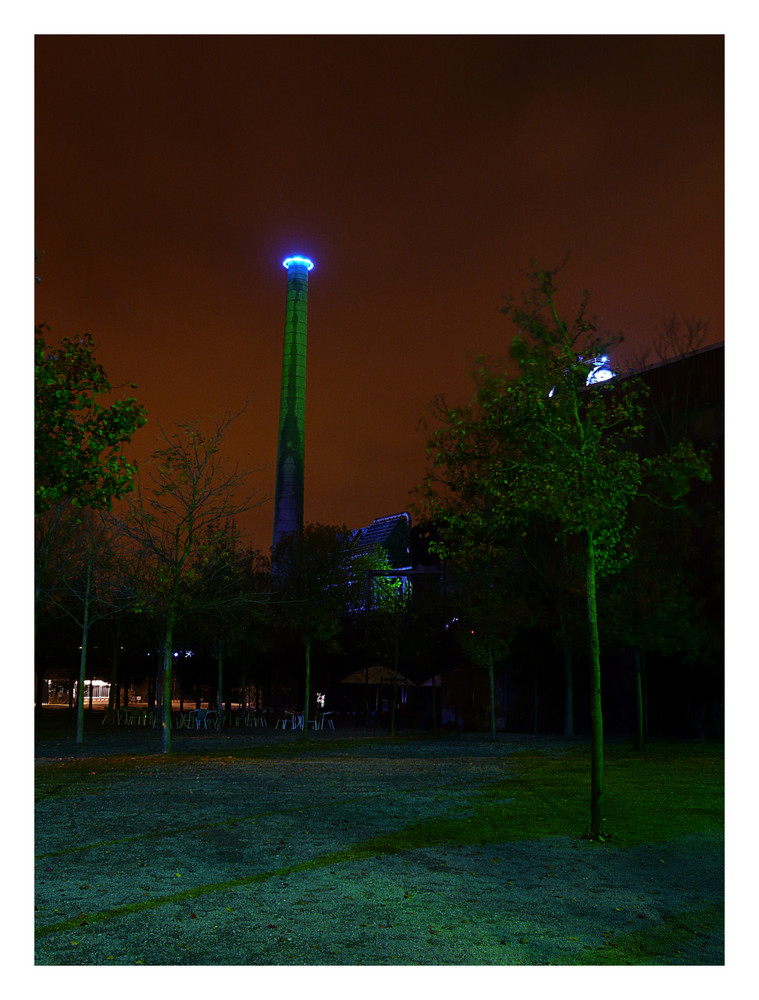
(78, 440)
(650, 605)
(53, 531)
(90, 586)
(387, 603)
(546, 447)
(179, 527)
(313, 573)
(374, 584)
(230, 595)
(180, 520)
(229, 580)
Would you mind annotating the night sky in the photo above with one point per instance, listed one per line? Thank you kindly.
(421, 174)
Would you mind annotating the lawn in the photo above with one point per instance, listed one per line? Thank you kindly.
(455, 851)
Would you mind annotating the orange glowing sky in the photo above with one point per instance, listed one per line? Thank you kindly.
(421, 173)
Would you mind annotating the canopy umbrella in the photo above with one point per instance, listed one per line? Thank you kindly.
(377, 675)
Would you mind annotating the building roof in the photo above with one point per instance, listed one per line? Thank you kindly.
(392, 533)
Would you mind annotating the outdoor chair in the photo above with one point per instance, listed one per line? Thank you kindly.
(297, 720)
(134, 716)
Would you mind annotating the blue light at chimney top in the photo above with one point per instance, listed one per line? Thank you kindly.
(600, 371)
(298, 260)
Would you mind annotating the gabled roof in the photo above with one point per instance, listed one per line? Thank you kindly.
(392, 533)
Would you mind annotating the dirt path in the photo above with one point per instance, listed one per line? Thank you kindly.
(207, 860)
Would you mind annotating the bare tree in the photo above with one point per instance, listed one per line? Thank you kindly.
(174, 523)
(92, 588)
(676, 337)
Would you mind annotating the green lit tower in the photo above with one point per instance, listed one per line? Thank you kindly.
(288, 492)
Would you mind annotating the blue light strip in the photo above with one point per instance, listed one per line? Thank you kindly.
(298, 260)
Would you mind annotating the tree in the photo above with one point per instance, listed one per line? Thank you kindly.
(547, 445)
(91, 589)
(673, 341)
(77, 440)
(651, 607)
(175, 524)
(229, 587)
(490, 596)
(313, 574)
(553, 577)
(386, 601)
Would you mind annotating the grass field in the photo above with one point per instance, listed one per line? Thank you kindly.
(377, 851)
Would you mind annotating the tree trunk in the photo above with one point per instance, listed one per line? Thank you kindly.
(596, 717)
(491, 681)
(395, 678)
(155, 699)
(434, 698)
(168, 655)
(83, 658)
(113, 691)
(644, 686)
(569, 715)
(505, 697)
(219, 684)
(40, 695)
(638, 739)
(308, 685)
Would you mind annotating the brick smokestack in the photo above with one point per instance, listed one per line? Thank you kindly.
(288, 493)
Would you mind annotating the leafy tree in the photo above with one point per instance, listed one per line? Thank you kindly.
(547, 446)
(386, 605)
(176, 523)
(232, 586)
(650, 607)
(478, 535)
(78, 440)
(313, 573)
(490, 595)
(680, 547)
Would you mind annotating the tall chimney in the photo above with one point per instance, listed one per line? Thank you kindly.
(288, 493)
